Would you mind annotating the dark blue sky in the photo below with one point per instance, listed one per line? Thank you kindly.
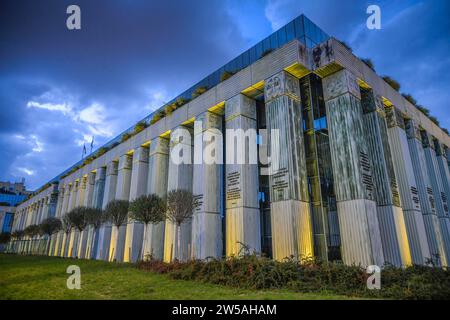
(58, 88)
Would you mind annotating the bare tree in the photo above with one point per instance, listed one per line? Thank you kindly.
(94, 217)
(116, 212)
(49, 227)
(148, 209)
(77, 217)
(180, 208)
(67, 228)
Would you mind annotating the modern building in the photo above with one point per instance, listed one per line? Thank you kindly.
(346, 168)
(11, 194)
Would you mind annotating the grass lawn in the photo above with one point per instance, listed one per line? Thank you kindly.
(35, 277)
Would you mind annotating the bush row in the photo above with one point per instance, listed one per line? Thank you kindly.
(252, 272)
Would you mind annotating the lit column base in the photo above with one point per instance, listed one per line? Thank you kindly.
(133, 241)
(394, 237)
(418, 242)
(242, 226)
(104, 239)
(207, 235)
(291, 230)
(360, 235)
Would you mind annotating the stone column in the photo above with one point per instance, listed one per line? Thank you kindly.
(394, 237)
(104, 236)
(58, 235)
(290, 208)
(242, 217)
(404, 171)
(352, 170)
(440, 197)
(118, 234)
(157, 184)
(207, 186)
(426, 197)
(77, 191)
(135, 229)
(179, 177)
(441, 158)
(97, 201)
(85, 199)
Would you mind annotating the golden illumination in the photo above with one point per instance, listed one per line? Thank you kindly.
(254, 90)
(218, 108)
(297, 70)
(165, 134)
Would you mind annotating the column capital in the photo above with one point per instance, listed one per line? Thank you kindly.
(412, 130)
(100, 173)
(207, 120)
(371, 102)
(340, 83)
(427, 139)
(181, 134)
(394, 117)
(111, 168)
(91, 177)
(159, 145)
(141, 154)
(240, 105)
(281, 84)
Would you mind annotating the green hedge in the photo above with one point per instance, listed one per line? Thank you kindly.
(252, 272)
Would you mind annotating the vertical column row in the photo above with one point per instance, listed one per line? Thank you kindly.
(358, 221)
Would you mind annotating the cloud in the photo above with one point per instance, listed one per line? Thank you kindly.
(65, 109)
(27, 171)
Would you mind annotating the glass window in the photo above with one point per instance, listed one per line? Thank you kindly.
(266, 44)
(259, 50)
(290, 34)
(274, 41)
(298, 24)
(245, 59)
(281, 37)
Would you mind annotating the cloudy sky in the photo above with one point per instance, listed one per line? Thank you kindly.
(58, 88)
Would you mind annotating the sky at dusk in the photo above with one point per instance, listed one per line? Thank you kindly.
(60, 87)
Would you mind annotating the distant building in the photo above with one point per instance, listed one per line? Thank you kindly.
(11, 194)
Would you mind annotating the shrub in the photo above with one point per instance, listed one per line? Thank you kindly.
(140, 126)
(346, 46)
(125, 136)
(393, 83)
(181, 101)
(226, 74)
(199, 91)
(410, 98)
(5, 237)
(369, 63)
(253, 272)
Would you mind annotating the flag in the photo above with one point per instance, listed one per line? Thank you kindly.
(84, 151)
(92, 143)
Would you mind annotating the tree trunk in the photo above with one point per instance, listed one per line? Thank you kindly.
(144, 243)
(179, 241)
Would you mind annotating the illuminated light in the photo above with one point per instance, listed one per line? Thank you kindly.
(165, 134)
(189, 121)
(218, 108)
(145, 144)
(363, 84)
(298, 70)
(254, 90)
(386, 102)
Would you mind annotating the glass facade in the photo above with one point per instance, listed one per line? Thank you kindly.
(319, 170)
(264, 190)
(11, 199)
